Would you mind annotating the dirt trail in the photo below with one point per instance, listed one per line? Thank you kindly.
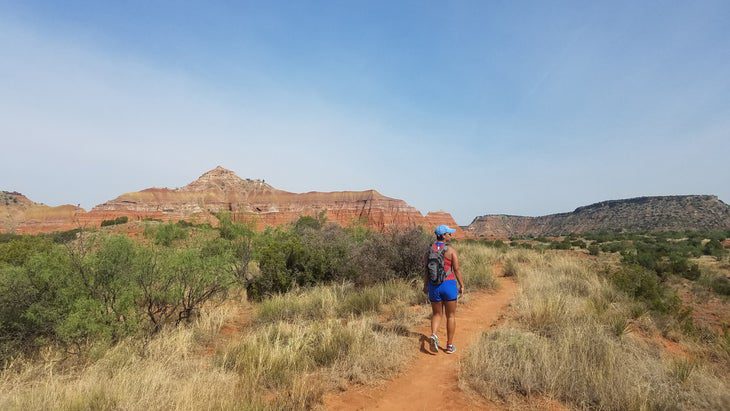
(431, 380)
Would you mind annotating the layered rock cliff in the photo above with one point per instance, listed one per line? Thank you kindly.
(665, 213)
(252, 201)
(436, 218)
(21, 215)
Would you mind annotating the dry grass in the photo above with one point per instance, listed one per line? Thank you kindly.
(301, 345)
(571, 340)
(341, 300)
(297, 363)
(477, 265)
(168, 373)
(296, 347)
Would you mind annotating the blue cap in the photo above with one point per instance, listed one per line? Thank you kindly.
(443, 229)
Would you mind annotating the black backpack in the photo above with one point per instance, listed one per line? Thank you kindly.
(435, 265)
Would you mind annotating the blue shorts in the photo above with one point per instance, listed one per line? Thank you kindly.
(446, 291)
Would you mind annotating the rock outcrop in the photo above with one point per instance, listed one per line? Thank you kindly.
(251, 201)
(665, 213)
(21, 215)
(258, 203)
(436, 218)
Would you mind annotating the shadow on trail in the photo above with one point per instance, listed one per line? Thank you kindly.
(425, 344)
(424, 341)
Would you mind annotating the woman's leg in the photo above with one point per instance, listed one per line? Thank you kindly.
(436, 309)
(450, 321)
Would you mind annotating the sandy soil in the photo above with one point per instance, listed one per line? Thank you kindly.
(431, 380)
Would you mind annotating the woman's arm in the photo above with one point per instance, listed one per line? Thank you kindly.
(457, 270)
(425, 275)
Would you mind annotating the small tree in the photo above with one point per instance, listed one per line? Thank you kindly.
(239, 239)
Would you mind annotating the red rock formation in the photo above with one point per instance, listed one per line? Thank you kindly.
(20, 215)
(368, 208)
(253, 201)
(435, 218)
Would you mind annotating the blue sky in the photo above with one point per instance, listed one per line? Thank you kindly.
(481, 107)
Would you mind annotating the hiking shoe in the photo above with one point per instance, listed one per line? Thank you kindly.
(450, 349)
(434, 343)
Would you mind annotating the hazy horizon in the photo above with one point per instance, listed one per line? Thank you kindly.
(502, 108)
(424, 212)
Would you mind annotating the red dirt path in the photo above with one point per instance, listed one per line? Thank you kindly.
(431, 381)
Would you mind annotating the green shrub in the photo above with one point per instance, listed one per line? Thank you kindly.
(721, 285)
(310, 223)
(33, 302)
(174, 283)
(288, 259)
(279, 254)
(643, 284)
(168, 233)
(231, 230)
(615, 246)
(63, 237)
(18, 250)
(561, 245)
(104, 277)
(7, 237)
(118, 220)
(407, 251)
(713, 248)
(307, 255)
(102, 289)
(185, 224)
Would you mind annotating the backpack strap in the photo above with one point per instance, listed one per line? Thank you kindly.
(443, 252)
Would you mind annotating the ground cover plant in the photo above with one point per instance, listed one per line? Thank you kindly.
(578, 338)
(106, 322)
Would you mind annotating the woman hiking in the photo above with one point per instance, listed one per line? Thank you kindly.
(443, 284)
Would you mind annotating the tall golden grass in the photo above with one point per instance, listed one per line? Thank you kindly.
(169, 372)
(571, 340)
(286, 360)
(477, 265)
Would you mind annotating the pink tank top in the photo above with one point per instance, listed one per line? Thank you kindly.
(447, 261)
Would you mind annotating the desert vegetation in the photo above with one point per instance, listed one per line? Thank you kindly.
(116, 221)
(101, 288)
(664, 255)
(195, 317)
(595, 336)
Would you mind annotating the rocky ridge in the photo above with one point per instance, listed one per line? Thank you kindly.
(251, 201)
(20, 214)
(660, 213)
